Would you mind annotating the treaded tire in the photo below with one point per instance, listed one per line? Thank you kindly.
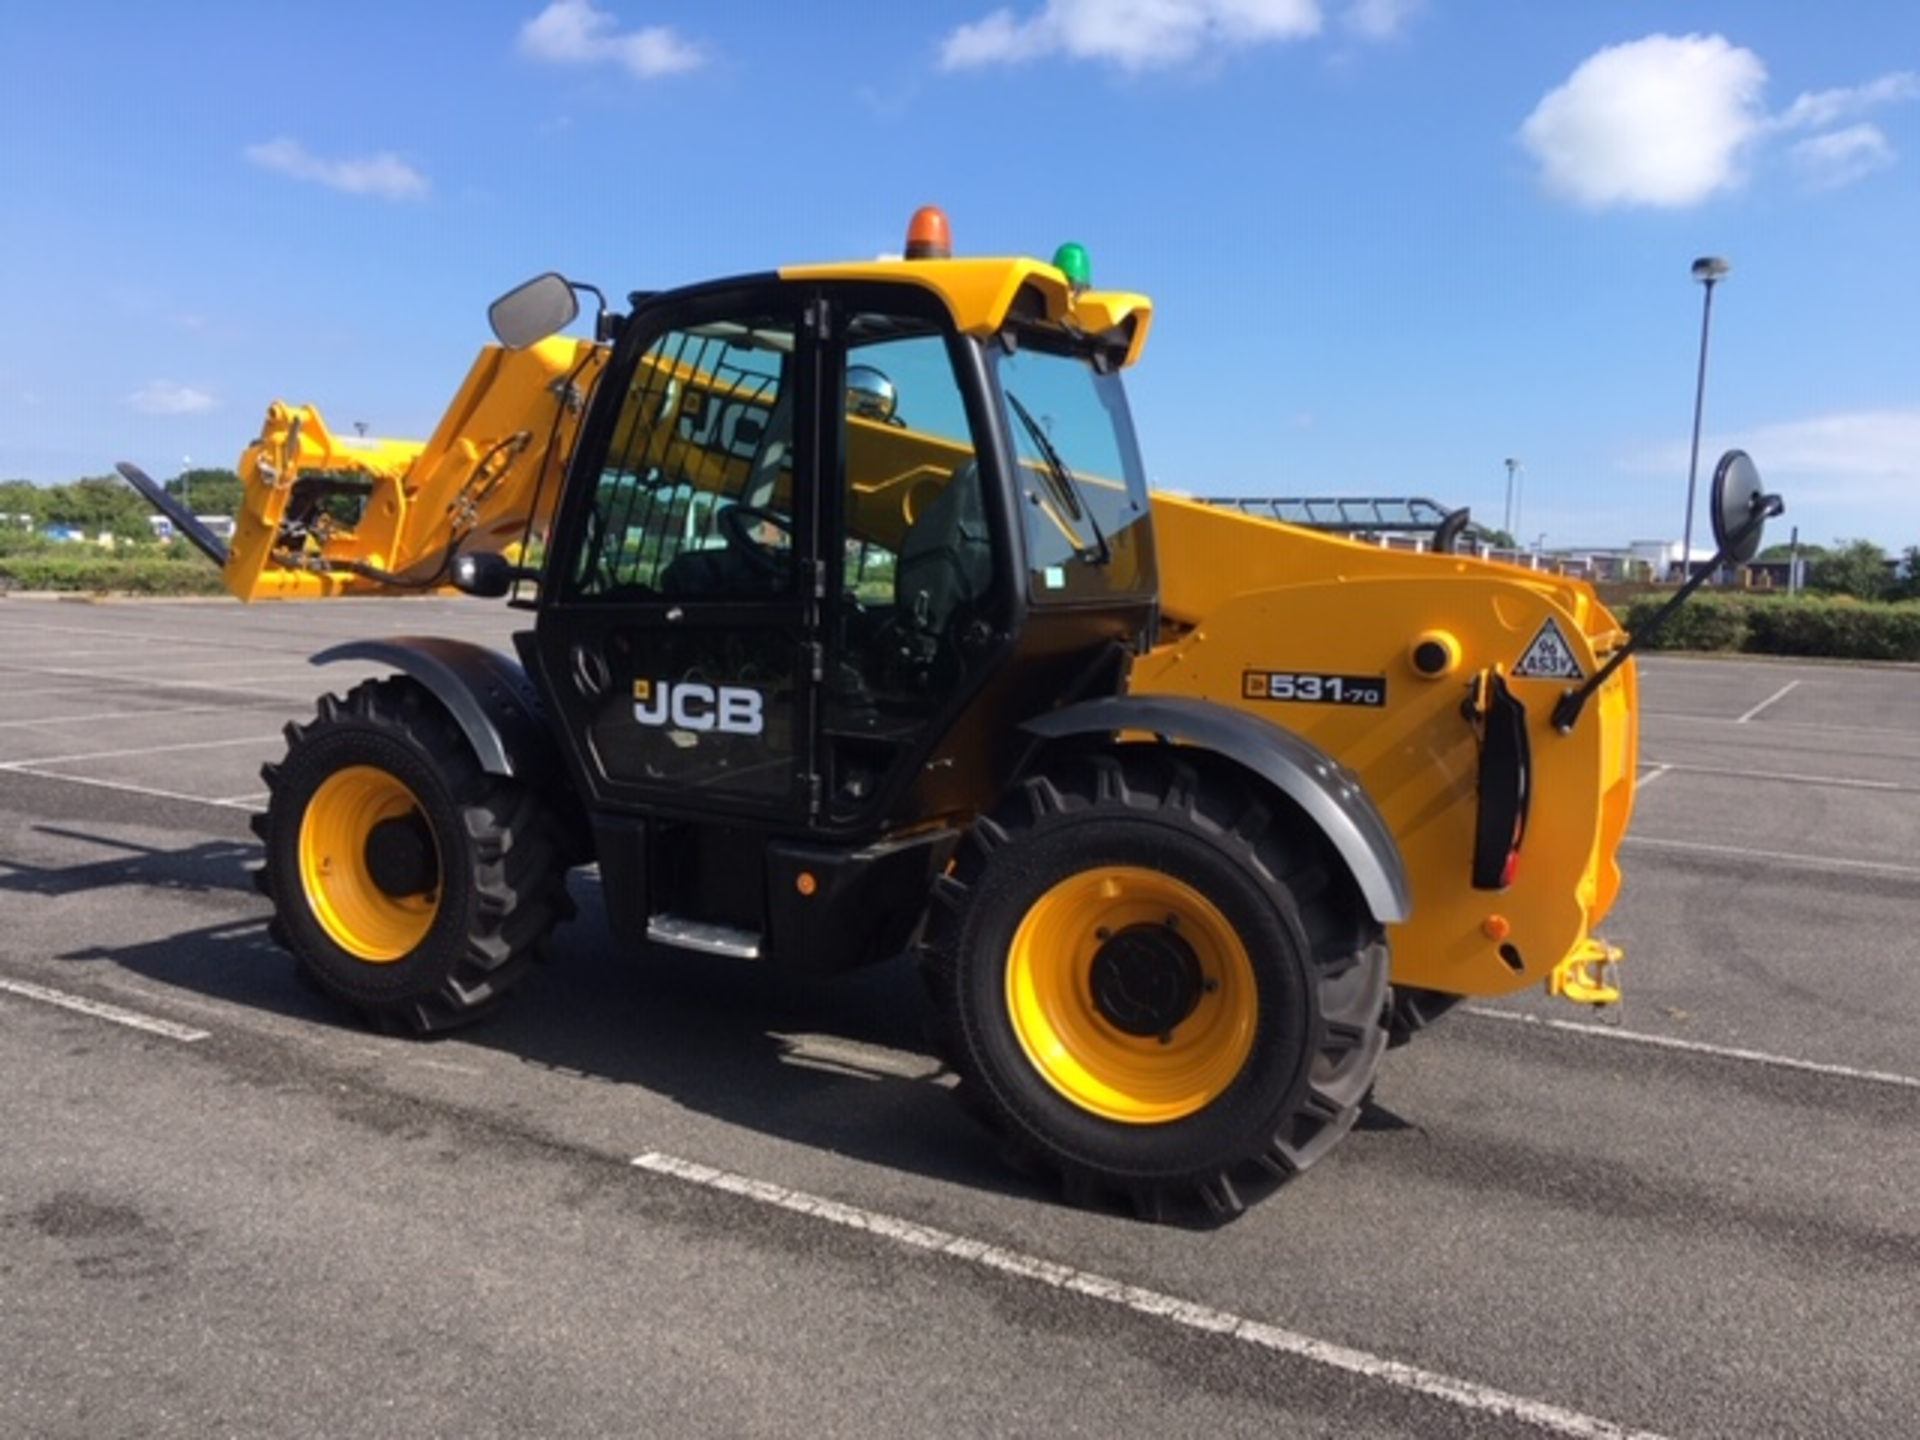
(1154, 986)
(472, 879)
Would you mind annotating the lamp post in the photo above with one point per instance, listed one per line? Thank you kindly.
(1709, 270)
(1513, 467)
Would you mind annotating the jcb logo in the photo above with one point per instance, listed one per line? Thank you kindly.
(690, 705)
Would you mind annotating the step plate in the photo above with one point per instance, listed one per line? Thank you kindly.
(707, 938)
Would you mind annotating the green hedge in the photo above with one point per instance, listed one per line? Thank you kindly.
(94, 574)
(1836, 629)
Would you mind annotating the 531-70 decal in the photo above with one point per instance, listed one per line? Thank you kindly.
(1313, 687)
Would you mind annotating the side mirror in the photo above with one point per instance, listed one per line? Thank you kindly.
(870, 394)
(529, 313)
(486, 575)
(1740, 508)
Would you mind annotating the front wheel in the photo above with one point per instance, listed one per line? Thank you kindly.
(1153, 988)
(408, 883)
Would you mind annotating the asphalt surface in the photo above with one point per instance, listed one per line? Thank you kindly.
(223, 1211)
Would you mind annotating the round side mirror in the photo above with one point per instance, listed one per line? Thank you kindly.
(484, 574)
(1739, 507)
(870, 394)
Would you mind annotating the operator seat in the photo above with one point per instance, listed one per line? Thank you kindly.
(945, 564)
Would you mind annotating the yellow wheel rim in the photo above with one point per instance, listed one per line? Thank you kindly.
(1132, 995)
(356, 913)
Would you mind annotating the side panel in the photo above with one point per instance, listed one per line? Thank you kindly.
(1371, 656)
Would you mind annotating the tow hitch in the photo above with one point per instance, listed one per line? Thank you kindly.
(1588, 976)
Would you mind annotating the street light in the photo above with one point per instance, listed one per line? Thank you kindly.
(1513, 466)
(1708, 270)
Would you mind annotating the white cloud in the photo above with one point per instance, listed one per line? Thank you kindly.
(1662, 122)
(572, 32)
(1840, 157)
(1829, 107)
(1850, 472)
(1133, 34)
(1381, 19)
(1834, 158)
(1859, 449)
(163, 397)
(384, 175)
(1672, 121)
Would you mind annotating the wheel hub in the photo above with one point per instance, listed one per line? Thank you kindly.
(400, 856)
(1146, 979)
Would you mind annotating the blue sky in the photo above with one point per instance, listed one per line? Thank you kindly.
(1391, 243)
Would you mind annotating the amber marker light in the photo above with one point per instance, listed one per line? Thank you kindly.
(805, 883)
(928, 236)
(1496, 927)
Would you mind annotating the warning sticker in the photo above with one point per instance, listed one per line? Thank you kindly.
(1549, 657)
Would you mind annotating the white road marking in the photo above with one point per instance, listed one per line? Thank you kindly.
(1779, 726)
(1780, 694)
(126, 789)
(149, 714)
(1642, 781)
(1789, 777)
(100, 1010)
(1701, 1047)
(122, 754)
(1778, 857)
(1465, 1394)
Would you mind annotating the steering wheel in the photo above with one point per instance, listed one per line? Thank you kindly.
(737, 526)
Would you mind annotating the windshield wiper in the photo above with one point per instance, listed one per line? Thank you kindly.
(1063, 483)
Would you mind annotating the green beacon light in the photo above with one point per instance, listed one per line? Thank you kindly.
(1071, 261)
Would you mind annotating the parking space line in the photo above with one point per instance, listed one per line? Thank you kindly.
(135, 750)
(148, 790)
(1698, 1047)
(1780, 694)
(150, 713)
(100, 1010)
(1789, 777)
(1155, 1305)
(1778, 727)
(1776, 857)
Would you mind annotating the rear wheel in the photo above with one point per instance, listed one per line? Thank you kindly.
(408, 883)
(1152, 990)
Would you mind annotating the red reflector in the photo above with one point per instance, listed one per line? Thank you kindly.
(1506, 871)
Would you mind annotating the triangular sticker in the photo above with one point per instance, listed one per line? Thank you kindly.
(1549, 657)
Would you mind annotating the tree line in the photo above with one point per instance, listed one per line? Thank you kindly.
(107, 505)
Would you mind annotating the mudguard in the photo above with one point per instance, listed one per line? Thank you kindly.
(1323, 789)
(488, 695)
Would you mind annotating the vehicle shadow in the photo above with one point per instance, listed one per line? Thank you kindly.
(838, 1064)
(212, 865)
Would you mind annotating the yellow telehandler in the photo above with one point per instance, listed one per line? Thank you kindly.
(855, 631)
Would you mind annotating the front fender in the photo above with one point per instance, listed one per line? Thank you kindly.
(488, 695)
(1325, 791)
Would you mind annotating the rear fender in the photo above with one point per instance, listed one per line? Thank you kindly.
(1319, 785)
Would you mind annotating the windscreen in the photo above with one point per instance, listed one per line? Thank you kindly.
(1083, 491)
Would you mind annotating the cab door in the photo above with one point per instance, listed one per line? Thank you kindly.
(678, 638)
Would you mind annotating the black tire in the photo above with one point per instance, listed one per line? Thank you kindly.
(409, 884)
(1153, 986)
